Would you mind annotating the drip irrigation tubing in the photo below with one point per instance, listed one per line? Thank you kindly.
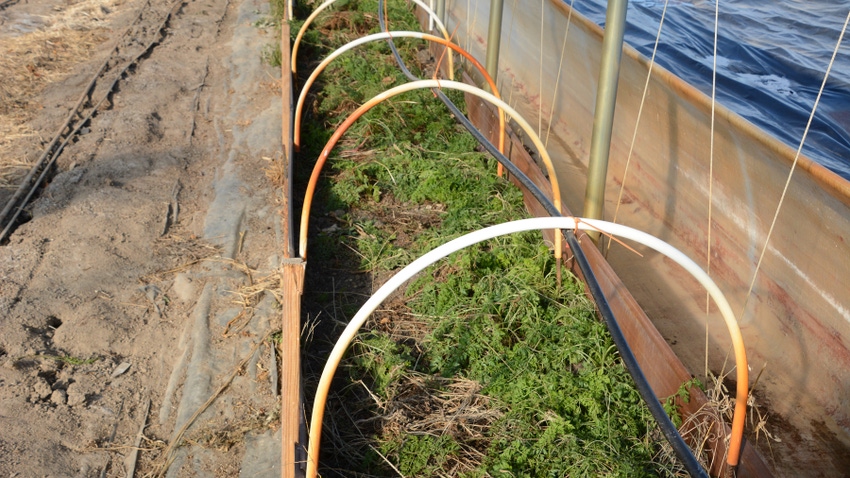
(28, 187)
(7, 3)
(302, 97)
(414, 85)
(382, 21)
(561, 223)
(672, 435)
(328, 3)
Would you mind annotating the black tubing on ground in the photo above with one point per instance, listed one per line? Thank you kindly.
(671, 433)
(490, 147)
(682, 450)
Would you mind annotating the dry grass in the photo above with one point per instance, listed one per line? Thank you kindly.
(185, 251)
(277, 169)
(222, 438)
(347, 24)
(13, 160)
(249, 296)
(181, 251)
(419, 405)
(436, 406)
(31, 62)
(700, 429)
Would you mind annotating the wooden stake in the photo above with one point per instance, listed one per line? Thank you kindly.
(292, 272)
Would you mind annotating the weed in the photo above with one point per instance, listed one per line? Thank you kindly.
(682, 394)
(271, 55)
(71, 360)
(422, 455)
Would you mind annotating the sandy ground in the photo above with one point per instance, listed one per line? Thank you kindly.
(158, 231)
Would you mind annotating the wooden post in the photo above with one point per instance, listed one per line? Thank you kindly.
(292, 281)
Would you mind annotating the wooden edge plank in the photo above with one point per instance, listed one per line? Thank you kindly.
(292, 278)
(663, 369)
(293, 424)
(287, 113)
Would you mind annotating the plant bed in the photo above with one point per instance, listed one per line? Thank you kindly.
(484, 366)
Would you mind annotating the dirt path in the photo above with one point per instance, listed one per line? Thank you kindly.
(159, 229)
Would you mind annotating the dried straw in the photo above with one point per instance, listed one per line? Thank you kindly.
(31, 62)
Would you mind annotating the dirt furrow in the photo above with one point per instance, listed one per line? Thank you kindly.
(157, 230)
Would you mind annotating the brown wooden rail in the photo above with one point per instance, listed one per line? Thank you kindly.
(293, 424)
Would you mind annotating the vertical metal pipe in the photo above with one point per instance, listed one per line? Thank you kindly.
(606, 98)
(494, 39)
(441, 10)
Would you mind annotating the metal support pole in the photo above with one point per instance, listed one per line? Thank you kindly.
(441, 10)
(603, 120)
(494, 39)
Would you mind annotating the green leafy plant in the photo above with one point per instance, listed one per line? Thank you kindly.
(683, 394)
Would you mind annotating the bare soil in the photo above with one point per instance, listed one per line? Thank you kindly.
(145, 276)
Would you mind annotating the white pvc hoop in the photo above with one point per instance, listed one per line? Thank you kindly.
(481, 235)
(431, 14)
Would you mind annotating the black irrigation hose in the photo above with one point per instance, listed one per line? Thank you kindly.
(683, 452)
(490, 147)
(48, 158)
(6, 3)
(680, 448)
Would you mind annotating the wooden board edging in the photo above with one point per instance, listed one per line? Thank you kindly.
(293, 424)
(292, 285)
